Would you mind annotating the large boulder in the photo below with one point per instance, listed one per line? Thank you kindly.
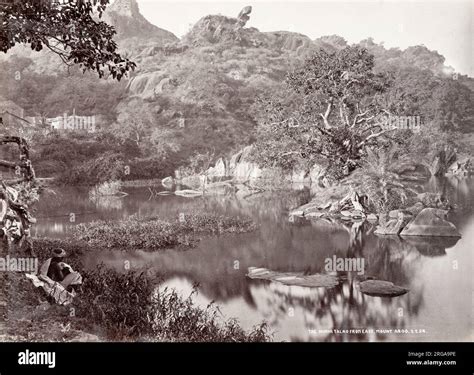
(168, 182)
(431, 222)
(244, 169)
(243, 16)
(219, 170)
(317, 174)
(125, 16)
(148, 85)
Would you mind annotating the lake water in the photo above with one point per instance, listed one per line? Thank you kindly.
(438, 273)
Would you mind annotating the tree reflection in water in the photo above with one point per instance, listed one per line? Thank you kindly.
(345, 307)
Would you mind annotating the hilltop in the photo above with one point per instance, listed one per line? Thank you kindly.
(196, 95)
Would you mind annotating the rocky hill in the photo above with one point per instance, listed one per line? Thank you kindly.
(196, 94)
(125, 16)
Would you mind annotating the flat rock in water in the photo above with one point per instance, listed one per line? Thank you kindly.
(381, 288)
(294, 278)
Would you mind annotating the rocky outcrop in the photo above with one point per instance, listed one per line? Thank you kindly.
(125, 16)
(217, 29)
(149, 85)
(241, 169)
(243, 16)
(214, 29)
(431, 222)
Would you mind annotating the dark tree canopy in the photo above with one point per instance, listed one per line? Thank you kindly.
(69, 28)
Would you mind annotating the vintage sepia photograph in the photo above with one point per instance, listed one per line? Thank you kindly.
(236, 172)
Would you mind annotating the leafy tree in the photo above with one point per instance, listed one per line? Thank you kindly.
(442, 103)
(330, 109)
(68, 29)
(453, 106)
(135, 121)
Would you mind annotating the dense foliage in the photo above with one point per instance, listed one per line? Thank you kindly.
(129, 306)
(383, 177)
(335, 107)
(330, 110)
(199, 97)
(68, 28)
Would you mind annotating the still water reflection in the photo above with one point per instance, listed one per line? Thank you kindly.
(438, 272)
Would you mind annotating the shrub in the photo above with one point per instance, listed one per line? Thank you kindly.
(148, 168)
(129, 306)
(28, 192)
(106, 167)
(382, 178)
(105, 189)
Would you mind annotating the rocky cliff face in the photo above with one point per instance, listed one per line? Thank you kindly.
(125, 16)
(215, 29)
(241, 169)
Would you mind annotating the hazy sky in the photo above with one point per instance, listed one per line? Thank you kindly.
(445, 26)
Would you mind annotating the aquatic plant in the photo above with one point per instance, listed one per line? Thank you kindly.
(105, 189)
(153, 233)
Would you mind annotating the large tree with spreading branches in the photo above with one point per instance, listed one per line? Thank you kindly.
(331, 108)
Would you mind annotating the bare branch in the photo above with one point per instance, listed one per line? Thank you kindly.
(374, 135)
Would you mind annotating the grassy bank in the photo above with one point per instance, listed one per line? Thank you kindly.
(112, 307)
(152, 233)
